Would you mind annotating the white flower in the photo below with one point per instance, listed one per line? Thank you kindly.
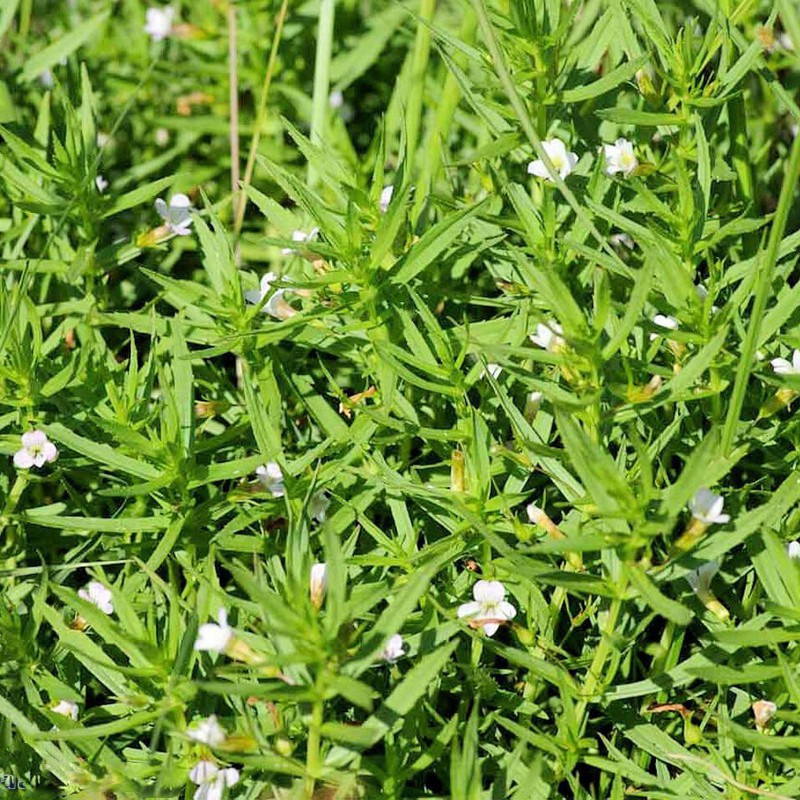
(763, 712)
(208, 731)
(101, 183)
(97, 594)
(336, 99)
(318, 583)
(159, 22)
(300, 236)
(781, 366)
(211, 780)
(492, 369)
(563, 161)
(700, 579)
(386, 198)
(162, 137)
(67, 709)
(318, 506)
(215, 637)
(177, 215)
(707, 507)
(276, 305)
(669, 323)
(46, 79)
(534, 513)
(489, 609)
(271, 478)
(393, 649)
(622, 240)
(793, 549)
(620, 157)
(548, 336)
(36, 451)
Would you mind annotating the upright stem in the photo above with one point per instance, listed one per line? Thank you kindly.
(451, 94)
(233, 80)
(322, 83)
(261, 115)
(312, 751)
(594, 677)
(419, 66)
(766, 268)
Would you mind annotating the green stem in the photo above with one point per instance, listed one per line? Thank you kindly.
(594, 677)
(419, 66)
(322, 81)
(766, 268)
(448, 102)
(312, 748)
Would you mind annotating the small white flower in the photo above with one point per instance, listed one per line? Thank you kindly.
(101, 183)
(271, 478)
(94, 592)
(300, 236)
(215, 637)
(548, 336)
(781, 366)
(393, 649)
(534, 513)
(563, 162)
(159, 22)
(277, 303)
(208, 731)
(620, 157)
(162, 137)
(492, 369)
(336, 99)
(211, 780)
(102, 139)
(67, 709)
(489, 609)
(386, 198)
(763, 712)
(668, 323)
(177, 215)
(318, 583)
(706, 507)
(46, 79)
(793, 549)
(318, 506)
(622, 240)
(700, 579)
(36, 451)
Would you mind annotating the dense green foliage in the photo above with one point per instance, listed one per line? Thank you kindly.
(421, 366)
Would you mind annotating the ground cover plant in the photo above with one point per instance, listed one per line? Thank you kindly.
(396, 399)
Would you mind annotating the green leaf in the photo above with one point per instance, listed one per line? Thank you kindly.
(65, 46)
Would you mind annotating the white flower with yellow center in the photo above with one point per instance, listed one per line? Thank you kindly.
(563, 161)
(36, 451)
(620, 157)
(489, 610)
(318, 583)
